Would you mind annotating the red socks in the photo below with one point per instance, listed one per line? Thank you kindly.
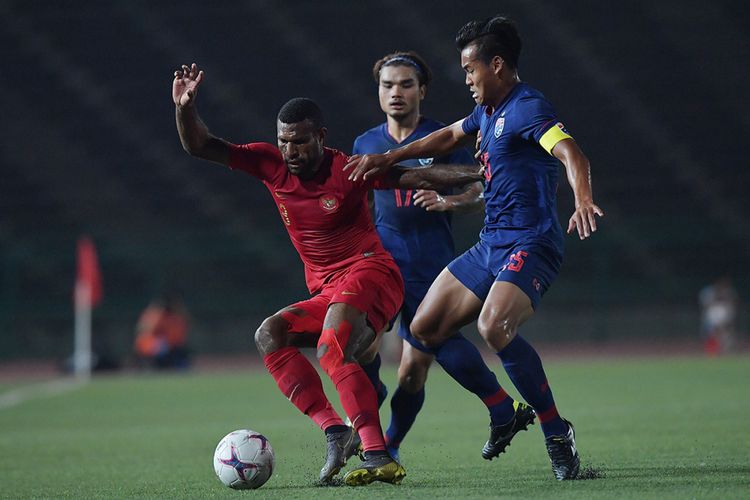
(361, 404)
(300, 383)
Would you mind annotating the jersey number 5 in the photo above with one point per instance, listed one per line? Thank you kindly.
(515, 263)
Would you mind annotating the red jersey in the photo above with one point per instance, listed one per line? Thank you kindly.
(327, 217)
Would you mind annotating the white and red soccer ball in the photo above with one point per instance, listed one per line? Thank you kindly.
(244, 460)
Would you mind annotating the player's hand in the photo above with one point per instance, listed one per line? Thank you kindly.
(584, 219)
(477, 146)
(432, 201)
(185, 85)
(365, 166)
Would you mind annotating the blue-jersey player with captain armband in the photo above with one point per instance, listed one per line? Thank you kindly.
(501, 280)
(415, 227)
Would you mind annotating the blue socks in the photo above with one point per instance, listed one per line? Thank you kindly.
(461, 359)
(372, 370)
(404, 409)
(525, 370)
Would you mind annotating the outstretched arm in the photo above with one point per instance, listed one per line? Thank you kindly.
(434, 177)
(438, 143)
(194, 135)
(470, 200)
(579, 176)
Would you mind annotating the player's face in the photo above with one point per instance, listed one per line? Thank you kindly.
(399, 91)
(482, 79)
(301, 146)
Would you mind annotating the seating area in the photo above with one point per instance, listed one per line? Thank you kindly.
(91, 148)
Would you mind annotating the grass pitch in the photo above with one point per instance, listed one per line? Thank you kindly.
(649, 428)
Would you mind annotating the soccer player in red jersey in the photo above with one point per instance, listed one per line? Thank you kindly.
(356, 285)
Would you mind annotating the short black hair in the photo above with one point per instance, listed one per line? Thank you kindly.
(495, 36)
(300, 109)
(401, 58)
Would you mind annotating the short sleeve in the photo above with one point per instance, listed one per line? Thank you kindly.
(540, 122)
(258, 159)
(473, 122)
(355, 146)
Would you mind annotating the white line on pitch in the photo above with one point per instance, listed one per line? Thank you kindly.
(16, 397)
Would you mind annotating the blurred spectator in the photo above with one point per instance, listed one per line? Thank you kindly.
(161, 334)
(719, 303)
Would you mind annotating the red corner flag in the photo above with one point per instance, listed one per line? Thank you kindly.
(88, 272)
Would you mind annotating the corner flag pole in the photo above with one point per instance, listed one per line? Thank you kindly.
(86, 295)
(82, 342)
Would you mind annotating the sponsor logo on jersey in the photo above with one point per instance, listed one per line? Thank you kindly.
(425, 161)
(499, 124)
(329, 203)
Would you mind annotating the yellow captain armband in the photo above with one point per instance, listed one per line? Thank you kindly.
(555, 134)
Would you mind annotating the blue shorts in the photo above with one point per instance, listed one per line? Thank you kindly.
(414, 292)
(532, 267)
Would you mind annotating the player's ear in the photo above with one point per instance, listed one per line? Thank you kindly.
(322, 131)
(497, 64)
(422, 91)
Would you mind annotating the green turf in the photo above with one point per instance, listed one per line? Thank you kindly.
(656, 428)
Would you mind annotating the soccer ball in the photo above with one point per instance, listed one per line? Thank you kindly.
(244, 460)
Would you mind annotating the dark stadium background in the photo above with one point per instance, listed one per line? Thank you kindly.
(655, 92)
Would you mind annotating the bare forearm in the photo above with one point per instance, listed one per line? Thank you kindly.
(191, 129)
(196, 139)
(435, 177)
(471, 200)
(578, 171)
(438, 143)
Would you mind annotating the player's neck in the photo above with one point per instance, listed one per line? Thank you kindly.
(402, 127)
(505, 88)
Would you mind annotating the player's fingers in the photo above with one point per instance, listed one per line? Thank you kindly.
(592, 220)
(199, 78)
(352, 162)
(193, 71)
(598, 211)
(571, 225)
(583, 226)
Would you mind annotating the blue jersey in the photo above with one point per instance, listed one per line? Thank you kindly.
(421, 242)
(521, 173)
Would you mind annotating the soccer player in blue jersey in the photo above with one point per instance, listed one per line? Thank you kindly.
(502, 278)
(415, 227)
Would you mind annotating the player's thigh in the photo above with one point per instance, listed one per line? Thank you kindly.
(447, 306)
(506, 308)
(413, 368)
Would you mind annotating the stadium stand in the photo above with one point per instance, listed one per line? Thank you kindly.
(92, 149)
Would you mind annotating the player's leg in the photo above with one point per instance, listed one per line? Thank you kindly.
(367, 296)
(346, 336)
(370, 362)
(408, 398)
(511, 302)
(454, 299)
(278, 340)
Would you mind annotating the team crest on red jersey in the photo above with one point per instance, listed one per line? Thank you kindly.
(329, 203)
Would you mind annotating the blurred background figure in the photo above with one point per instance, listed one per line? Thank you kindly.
(719, 303)
(161, 334)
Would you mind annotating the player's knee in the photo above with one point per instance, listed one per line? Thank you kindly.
(330, 353)
(271, 335)
(497, 330)
(412, 377)
(428, 332)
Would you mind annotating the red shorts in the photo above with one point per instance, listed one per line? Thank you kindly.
(373, 286)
